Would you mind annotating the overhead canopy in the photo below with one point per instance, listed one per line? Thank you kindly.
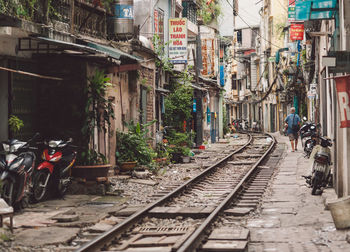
(90, 48)
(113, 52)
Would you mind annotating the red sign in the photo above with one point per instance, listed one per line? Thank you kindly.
(291, 2)
(343, 91)
(156, 29)
(297, 31)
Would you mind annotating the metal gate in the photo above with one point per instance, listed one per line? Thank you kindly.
(23, 97)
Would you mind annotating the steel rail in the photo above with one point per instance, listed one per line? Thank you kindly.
(108, 236)
(192, 242)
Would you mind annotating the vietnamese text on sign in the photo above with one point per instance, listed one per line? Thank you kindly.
(178, 40)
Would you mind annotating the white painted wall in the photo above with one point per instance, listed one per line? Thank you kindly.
(248, 10)
(225, 21)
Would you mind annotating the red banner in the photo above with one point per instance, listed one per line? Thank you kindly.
(156, 29)
(297, 31)
(343, 91)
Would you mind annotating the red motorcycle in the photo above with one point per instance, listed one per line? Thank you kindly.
(55, 170)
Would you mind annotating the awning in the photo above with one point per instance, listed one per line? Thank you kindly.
(92, 48)
(162, 90)
(113, 52)
(198, 88)
(68, 46)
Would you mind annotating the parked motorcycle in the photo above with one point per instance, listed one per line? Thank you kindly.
(308, 136)
(244, 124)
(17, 165)
(54, 173)
(321, 161)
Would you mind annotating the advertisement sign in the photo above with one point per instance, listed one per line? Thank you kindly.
(313, 88)
(343, 93)
(291, 13)
(208, 57)
(124, 11)
(178, 40)
(314, 9)
(297, 31)
(222, 76)
(156, 29)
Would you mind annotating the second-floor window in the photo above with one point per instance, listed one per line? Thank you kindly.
(189, 11)
(159, 24)
(234, 82)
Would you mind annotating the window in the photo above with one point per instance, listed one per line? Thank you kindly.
(159, 24)
(234, 82)
(189, 11)
(239, 36)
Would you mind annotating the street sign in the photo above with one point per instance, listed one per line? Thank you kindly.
(314, 9)
(313, 88)
(178, 40)
(310, 95)
(343, 92)
(297, 31)
(291, 13)
(342, 61)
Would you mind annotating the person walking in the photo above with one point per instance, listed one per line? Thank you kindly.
(293, 121)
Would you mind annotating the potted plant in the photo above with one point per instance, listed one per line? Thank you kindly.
(178, 145)
(99, 112)
(15, 125)
(125, 153)
(133, 146)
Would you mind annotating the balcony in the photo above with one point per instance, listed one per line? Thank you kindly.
(68, 16)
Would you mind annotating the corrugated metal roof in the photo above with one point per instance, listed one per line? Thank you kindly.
(94, 48)
(113, 52)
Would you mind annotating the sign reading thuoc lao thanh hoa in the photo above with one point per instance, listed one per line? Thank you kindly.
(178, 40)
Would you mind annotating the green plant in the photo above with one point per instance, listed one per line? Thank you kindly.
(209, 12)
(134, 146)
(5, 237)
(226, 128)
(99, 111)
(179, 143)
(162, 61)
(178, 104)
(15, 124)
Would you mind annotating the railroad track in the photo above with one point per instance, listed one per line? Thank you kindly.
(183, 219)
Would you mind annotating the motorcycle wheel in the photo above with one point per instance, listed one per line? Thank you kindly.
(63, 187)
(7, 192)
(39, 188)
(316, 182)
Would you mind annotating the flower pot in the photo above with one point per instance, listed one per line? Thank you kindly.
(176, 157)
(127, 166)
(340, 210)
(186, 159)
(90, 172)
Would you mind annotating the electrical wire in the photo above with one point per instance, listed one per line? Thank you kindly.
(258, 34)
(282, 6)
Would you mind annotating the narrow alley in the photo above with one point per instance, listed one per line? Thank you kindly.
(175, 125)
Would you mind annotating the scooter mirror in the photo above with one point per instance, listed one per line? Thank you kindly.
(36, 135)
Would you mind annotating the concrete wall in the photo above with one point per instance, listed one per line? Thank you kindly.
(225, 21)
(343, 134)
(248, 11)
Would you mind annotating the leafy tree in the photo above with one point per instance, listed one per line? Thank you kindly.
(178, 104)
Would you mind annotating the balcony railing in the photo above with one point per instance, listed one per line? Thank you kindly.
(81, 16)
